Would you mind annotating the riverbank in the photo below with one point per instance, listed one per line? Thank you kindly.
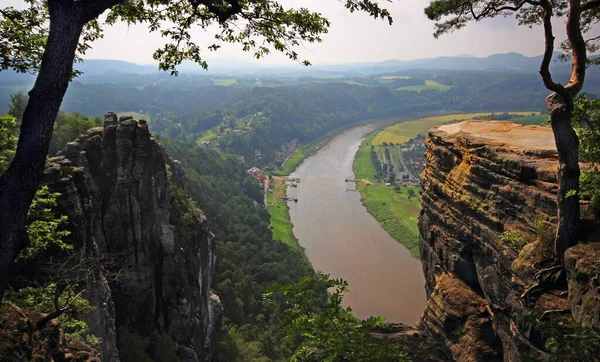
(395, 208)
(281, 225)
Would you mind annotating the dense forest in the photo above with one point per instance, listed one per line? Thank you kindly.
(249, 259)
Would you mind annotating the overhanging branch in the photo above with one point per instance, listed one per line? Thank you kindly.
(492, 8)
(590, 5)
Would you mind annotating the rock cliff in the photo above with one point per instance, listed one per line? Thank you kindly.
(486, 226)
(115, 189)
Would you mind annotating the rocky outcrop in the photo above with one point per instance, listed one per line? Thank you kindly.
(488, 201)
(114, 185)
(20, 341)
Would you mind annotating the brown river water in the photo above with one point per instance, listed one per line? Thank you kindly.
(342, 239)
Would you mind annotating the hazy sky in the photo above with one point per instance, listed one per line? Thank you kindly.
(352, 37)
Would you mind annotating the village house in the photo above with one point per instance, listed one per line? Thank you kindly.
(206, 145)
(254, 171)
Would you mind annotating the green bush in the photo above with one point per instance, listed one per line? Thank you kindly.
(514, 239)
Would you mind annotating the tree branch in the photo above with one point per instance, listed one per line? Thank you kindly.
(491, 8)
(590, 5)
(58, 312)
(91, 9)
(549, 51)
(578, 48)
(223, 12)
(592, 39)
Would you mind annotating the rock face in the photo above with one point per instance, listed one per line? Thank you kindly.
(481, 180)
(115, 190)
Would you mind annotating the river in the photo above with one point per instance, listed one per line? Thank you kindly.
(342, 239)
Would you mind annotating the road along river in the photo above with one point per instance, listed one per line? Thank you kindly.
(342, 239)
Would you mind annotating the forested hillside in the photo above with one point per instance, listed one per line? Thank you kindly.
(244, 115)
(248, 259)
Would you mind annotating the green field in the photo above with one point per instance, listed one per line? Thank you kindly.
(536, 120)
(281, 226)
(429, 84)
(353, 82)
(397, 212)
(363, 167)
(209, 135)
(291, 163)
(225, 81)
(404, 131)
(387, 77)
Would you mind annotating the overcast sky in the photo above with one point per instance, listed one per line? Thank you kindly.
(352, 37)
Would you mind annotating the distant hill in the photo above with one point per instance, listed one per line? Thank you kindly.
(103, 66)
(107, 70)
(496, 62)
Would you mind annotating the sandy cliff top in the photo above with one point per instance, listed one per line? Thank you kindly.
(507, 135)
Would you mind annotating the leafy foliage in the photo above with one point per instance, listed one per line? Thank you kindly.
(53, 297)
(327, 331)
(16, 108)
(69, 126)
(563, 339)
(43, 226)
(514, 239)
(586, 121)
(8, 141)
(24, 33)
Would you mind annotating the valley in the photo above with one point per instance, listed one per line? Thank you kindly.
(255, 196)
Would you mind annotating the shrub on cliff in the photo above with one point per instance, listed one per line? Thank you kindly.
(324, 330)
(586, 120)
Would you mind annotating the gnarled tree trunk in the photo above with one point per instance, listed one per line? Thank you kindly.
(20, 182)
(567, 144)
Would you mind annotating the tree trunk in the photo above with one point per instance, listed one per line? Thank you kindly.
(567, 144)
(20, 182)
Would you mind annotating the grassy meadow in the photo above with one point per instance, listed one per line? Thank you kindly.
(404, 131)
(292, 162)
(536, 120)
(429, 84)
(397, 212)
(224, 81)
(281, 225)
(363, 167)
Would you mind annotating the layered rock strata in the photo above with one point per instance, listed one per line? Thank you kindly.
(114, 185)
(481, 180)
